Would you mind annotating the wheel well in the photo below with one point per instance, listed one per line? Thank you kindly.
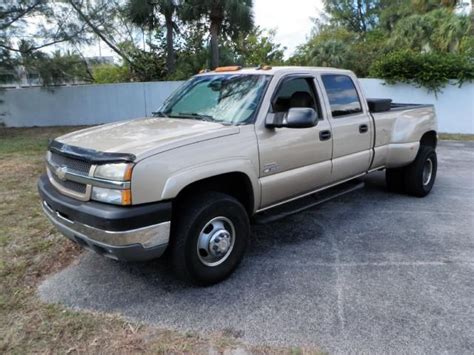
(429, 139)
(235, 184)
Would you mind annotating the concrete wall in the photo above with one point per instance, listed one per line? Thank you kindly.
(454, 106)
(93, 104)
(82, 105)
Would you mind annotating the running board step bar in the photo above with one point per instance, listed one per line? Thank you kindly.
(307, 202)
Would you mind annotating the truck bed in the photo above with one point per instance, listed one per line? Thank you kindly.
(402, 106)
(397, 133)
(385, 105)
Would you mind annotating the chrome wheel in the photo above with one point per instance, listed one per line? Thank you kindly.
(216, 241)
(427, 171)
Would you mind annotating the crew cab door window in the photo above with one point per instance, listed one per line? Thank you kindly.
(342, 95)
(295, 92)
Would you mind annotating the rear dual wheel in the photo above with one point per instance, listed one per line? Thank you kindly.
(416, 179)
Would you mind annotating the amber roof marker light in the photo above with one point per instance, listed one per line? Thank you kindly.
(228, 68)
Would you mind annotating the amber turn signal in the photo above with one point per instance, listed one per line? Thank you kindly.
(126, 197)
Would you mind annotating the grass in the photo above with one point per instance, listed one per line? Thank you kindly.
(30, 249)
(456, 137)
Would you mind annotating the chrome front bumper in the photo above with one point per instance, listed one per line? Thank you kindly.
(139, 244)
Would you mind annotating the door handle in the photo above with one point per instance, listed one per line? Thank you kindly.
(324, 135)
(363, 128)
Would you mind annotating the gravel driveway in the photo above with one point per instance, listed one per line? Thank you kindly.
(369, 272)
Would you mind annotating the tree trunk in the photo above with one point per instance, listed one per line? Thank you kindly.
(216, 18)
(214, 30)
(170, 56)
(360, 13)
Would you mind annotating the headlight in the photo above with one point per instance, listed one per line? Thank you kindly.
(116, 197)
(120, 171)
(115, 172)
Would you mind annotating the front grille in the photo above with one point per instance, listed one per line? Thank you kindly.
(71, 163)
(71, 185)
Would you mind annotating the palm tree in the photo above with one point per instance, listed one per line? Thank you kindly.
(144, 13)
(331, 53)
(439, 30)
(224, 16)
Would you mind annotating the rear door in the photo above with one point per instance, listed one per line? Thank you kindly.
(351, 127)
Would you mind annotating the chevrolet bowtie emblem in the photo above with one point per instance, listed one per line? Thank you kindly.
(61, 173)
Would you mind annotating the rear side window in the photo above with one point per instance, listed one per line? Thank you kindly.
(342, 95)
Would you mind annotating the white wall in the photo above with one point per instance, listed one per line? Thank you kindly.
(82, 105)
(454, 106)
(94, 104)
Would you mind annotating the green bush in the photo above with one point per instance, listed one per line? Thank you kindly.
(430, 70)
(108, 73)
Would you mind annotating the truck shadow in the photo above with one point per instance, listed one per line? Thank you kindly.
(298, 236)
(273, 239)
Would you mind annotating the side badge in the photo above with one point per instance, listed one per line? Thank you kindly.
(271, 168)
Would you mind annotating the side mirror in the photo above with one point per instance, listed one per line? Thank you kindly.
(301, 117)
(297, 117)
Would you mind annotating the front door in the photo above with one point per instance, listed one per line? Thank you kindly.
(294, 161)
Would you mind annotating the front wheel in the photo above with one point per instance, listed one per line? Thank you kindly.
(209, 239)
(420, 175)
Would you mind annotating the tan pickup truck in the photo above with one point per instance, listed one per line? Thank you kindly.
(228, 147)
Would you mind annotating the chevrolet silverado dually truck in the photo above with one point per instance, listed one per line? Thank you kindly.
(229, 146)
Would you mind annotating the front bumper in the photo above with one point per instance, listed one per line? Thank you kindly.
(134, 233)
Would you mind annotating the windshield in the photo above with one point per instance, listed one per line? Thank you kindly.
(226, 98)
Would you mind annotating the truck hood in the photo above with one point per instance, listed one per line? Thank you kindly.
(146, 136)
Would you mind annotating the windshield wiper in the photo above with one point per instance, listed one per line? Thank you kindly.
(159, 114)
(197, 116)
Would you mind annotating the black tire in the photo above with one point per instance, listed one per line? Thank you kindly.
(415, 180)
(394, 179)
(192, 216)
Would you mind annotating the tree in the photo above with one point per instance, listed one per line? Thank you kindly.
(257, 48)
(109, 73)
(229, 17)
(355, 15)
(329, 46)
(331, 53)
(358, 33)
(22, 45)
(57, 68)
(424, 6)
(14, 20)
(144, 13)
(98, 16)
(392, 11)
(439, 30)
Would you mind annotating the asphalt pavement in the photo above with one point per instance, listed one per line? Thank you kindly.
(369, 272)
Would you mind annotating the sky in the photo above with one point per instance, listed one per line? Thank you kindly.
(291, 19)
